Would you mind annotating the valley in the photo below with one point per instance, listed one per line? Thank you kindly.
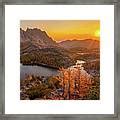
(40, 50)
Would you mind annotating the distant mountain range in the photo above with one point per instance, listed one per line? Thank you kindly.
(87, 43)
(40, 39)
(36, 47)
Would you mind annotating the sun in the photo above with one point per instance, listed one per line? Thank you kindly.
(97, 33)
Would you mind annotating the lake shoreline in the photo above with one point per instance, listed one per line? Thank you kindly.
(36, 64)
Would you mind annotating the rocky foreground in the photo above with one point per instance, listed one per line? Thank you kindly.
(70, 84)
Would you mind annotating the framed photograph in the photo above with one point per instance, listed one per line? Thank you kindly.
(60, 60)
(56, 55)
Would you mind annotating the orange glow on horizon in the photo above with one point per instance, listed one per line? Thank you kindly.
(61, 30)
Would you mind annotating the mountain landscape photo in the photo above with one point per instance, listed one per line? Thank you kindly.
(60, 60)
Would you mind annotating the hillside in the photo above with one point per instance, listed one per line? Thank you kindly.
(86, 50)
(37, 48)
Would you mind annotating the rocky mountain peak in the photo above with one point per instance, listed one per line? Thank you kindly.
(36, 36)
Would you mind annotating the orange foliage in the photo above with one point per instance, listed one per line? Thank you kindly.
(74, 83)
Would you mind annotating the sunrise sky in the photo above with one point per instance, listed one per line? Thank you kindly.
(61, 30)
